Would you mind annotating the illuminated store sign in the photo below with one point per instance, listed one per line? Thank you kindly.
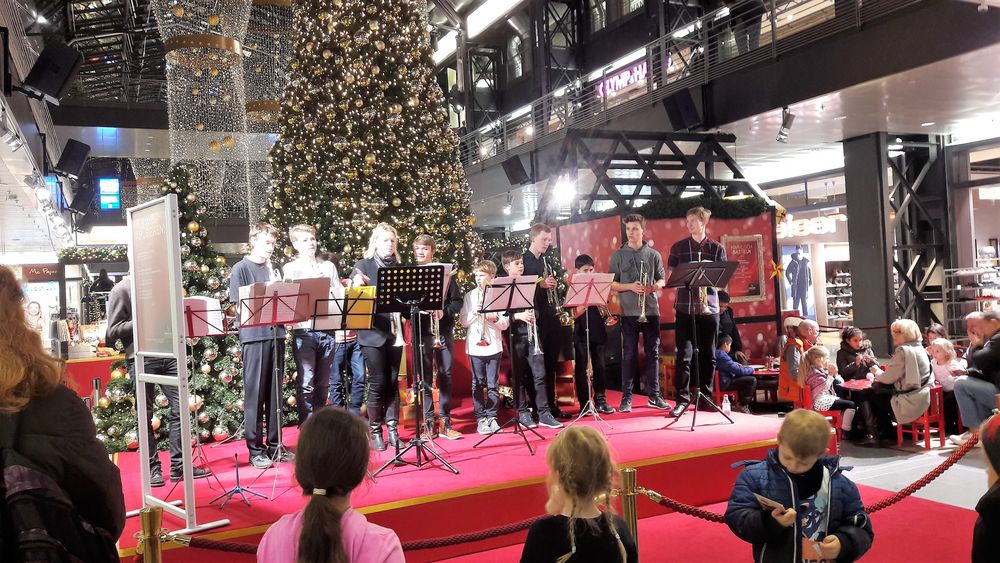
(634, 74)
(792, 228)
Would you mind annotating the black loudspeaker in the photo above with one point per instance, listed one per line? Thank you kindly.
(71, 160)
(515, 172)
(681, 111)
(83, 199)
(53, 72)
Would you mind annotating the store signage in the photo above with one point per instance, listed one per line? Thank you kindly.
(792, 228)
(632, 75)
(38, 273)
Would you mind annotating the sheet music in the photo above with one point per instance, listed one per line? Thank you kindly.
(599, 290)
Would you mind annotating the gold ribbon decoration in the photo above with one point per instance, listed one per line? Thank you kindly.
(204, 50)
(776, 269)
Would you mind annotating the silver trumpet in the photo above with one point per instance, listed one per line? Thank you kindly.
(536, 348)
(643, 281)
(438, 342)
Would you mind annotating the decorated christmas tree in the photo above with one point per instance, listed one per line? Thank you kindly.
(365, 135)
(215, 384)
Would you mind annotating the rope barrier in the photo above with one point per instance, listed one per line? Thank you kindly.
(470, 537)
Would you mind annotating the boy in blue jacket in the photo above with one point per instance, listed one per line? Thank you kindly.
(734, 376)
(797, 505)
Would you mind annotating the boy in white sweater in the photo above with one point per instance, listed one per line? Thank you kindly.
(484, 344)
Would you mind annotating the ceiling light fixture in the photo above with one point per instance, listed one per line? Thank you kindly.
(737, 191)
(787, 119)
(509, 207)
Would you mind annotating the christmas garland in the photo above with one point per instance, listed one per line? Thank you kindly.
(93, 254)
(676, 208)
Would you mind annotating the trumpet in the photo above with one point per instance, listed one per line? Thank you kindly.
(484, 337)
(438, 342)
(644, 281)
(609, 318)
(536, 348)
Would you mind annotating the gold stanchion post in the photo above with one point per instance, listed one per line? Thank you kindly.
(149, 540)
(628, 502)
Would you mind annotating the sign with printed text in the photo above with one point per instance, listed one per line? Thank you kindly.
(623, 79)
(747, 284)
(43, 272)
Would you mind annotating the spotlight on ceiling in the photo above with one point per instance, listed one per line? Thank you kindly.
(737, 191)
(508, 208)
(787, 118)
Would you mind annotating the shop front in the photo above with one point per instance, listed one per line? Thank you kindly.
(816, 266)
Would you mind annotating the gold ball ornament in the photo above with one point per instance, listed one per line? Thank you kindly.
(213, 19)
(228, 141)
(413, 101)
(195, 402)
(289, 251)
(117, 373)
(215, 146)
(195, 91)
(206, 369)
(104, 402)
(177, 11)
(199, 126)
(213, 72)
(396, 109)
(375, 70)
(154, 423)
(327, 53)
(373, 25)
(380, 45)
(193, 227)
(396, 202)
(370, 158)
(472, 219)
(191, 198)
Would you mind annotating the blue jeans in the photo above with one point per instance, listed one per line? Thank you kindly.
(976, 399)
(340, 386)
(485, 377)
(631, 328)
(313, 352)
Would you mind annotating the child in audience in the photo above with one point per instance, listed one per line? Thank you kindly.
(947, 368)
(814, 372)
(484, 345)
(733, 376)
(986, 534)
(827, 523)
(333, 457)
(580, 526)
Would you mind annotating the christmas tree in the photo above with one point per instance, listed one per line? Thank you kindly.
(215, 382)
(365, 135)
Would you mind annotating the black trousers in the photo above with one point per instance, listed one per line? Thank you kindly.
(745, 387)
(529, 369)
(383, 377)
(165, 367)
(580, 372)
(260, 397)
(650, 330)
(445, 359)
(707, 328)
(951, 413)
(550, 334)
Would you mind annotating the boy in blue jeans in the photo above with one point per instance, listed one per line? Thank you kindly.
(734, 376)
(797, 505)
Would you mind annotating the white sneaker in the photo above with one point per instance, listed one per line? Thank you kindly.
(960, 439)
(483, 426)
(491, 423)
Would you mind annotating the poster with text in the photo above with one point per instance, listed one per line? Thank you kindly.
(747, 283)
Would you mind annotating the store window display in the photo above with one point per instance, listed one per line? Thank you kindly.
(798, 278)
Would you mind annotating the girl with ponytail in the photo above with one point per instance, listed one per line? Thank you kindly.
(581, 527)
(331, 461)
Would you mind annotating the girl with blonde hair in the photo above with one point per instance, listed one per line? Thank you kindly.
(581, 526)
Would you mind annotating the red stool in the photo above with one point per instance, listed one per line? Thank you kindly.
(806, 402)
(934, 417)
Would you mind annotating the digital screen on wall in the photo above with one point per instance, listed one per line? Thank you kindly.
(109, 194)
(55, 188)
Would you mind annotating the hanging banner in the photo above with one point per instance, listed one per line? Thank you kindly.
(747, 284)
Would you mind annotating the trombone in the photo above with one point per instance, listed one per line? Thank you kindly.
(643, 281)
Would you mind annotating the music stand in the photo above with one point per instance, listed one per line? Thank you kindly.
(508, 295)
(353, 312)
(279, 308)
(691, 275)
(410, 289)
(237, 489)
(586, 290)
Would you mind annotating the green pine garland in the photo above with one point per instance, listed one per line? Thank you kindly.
(93, 254)
(675, 208)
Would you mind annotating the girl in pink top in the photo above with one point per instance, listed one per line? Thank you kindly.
(331, 461)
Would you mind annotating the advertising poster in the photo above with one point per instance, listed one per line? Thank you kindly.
(797, 273)
(747, 283)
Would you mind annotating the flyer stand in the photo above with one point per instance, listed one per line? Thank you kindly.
(588, 290)
(509, 295)
(694, 275)
(412, 289)
(158, 334)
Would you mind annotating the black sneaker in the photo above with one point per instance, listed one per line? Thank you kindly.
(526, 421)
(261, 461)
(155, 476)
(196, 472)
(679, 408)
(656, 401)
(626, 405)
(605, 408)
(559, 414)
(286, 456)
(545, 419)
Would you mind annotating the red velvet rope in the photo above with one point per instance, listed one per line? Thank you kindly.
(223, 545)
(469, 537)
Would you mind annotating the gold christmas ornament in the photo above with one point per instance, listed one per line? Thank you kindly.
(199, 126)
(213, 72)
(213, 19)
(327, 53)
(191, 198)
(370, 158)
(104, 402)
(215, 146)
(177, 10)
(396, 202)
(228, 141)
(193, 227)
(206, 369)
(117, 373)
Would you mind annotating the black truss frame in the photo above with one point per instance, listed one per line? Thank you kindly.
(484, 64)
(669, 169)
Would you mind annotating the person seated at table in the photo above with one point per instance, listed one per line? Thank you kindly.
(805, 336)
(976, 394)
(947, 369)
(814, 373)
(727, 327)
(933, 332)
(905, 384)
(855, 361)
(735, 377)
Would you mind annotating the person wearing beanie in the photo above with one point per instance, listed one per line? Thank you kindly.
(986, 534)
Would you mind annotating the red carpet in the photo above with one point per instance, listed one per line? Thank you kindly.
(500, 475)
(912, 531)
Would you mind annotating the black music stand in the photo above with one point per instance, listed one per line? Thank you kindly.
(508, 295)
(692, 275)
(284, 309)
(586, 290)
(354, 312)
(411, 289)
(237, 489)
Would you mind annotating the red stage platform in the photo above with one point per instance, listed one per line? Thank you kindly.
(500, 482)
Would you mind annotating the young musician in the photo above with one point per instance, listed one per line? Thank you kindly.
(423, 251)
(700, 303)
(549, 329)
(313, 349)
(589, 317)
(484, 345)
(260, 353)
(628, 263)
(382, 345)
(524, 360)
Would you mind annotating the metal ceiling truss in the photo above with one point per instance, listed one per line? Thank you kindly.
(562, 34)
(629, 166)
(485, 71)
(919, 217)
